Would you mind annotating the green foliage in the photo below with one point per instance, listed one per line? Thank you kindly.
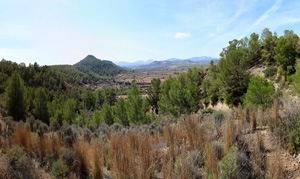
(286, 52)
(120, 112)
(233, 76)
(96, 119)
(99, 67)
(100, 97)
(69, 111)
(110, 95)
(15, 96)
(153, 94)
(107, 114)
(208, 111)
(269, 42)
(270, 71)
(294, 137)
(254, 48)
(136, 106)
(88, 99)
(228, 165)
(59, 169)
(40, 110)
(296, 77)
(260, 92)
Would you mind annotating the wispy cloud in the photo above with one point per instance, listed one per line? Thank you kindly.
(181, 35)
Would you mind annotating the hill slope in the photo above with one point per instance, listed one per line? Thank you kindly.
(99, 67)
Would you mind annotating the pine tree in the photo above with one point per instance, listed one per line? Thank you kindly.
(15, 103)
(40, 103)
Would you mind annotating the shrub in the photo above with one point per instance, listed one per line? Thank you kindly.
(68, 157)
(270, 71)
(244, 166)
(228, 165)
(54, 126)
(260, 92)
(294, 137)
(59, 169)
(21, 165)
(208, 111)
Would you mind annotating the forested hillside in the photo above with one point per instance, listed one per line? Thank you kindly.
(73, 131)
(100, 67)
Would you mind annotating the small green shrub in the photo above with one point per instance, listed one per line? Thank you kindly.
(208, 111)
(20, 164)
(59, 169)
(68, 156)
(270, 71)
(294, 137)
(228, 165)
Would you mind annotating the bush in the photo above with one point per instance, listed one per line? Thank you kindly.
(208, 111)
(68, 157)
(21, 165)
(54, 126)
(270, 71)
(294, 138)
(228, 165)
(59, 169)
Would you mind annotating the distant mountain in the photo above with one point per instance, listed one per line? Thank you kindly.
(170, 63)
(131, 64)
(99, 67)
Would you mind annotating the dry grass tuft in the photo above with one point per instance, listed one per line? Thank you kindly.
(275, 168)
(82, 151)
(22, 137)
(229, 134)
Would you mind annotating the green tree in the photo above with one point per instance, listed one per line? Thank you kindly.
(100, 97)
(40, 105)
(260, 92)
(15, 103)
(269, 42)
(233, 76)
(254, 48)
(286, 52)
(296, 77)
(153, 94)
(88, 99)
(120, 112)
(69, 111)
(107, 114)
(96, 119)
(110, 95)
(136, 106)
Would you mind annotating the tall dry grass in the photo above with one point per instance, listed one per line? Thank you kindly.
(22, 137)
(229, 134)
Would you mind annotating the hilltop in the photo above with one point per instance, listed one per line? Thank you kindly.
(100, 67)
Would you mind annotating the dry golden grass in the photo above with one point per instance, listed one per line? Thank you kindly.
(22, 137)
(275, 168)
(228, 134)
(194, 134)
(83, 154)
(252, 119)
(97, 153)
(211, 160)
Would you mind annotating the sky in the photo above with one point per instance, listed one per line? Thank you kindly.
(65, 31)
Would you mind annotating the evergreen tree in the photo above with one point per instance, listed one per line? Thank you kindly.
(96, 119)
(153, 94)
(40, 105)
(233, 76)
(254, 48)
(120, 112)
(136, 106)
(260, 92)
(100, 97)
(107, 114)
(69, 111)
(88, 99)
(15, 103)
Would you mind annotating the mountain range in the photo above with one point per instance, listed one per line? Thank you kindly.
(148, 64)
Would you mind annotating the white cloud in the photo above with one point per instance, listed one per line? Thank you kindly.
(182, 35)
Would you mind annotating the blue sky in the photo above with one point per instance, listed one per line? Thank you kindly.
(65, 31)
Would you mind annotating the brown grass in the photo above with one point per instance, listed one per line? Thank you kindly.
(252, 119)
(228, 134)
(82, 151)
(22, 137)
(211, 160)
(194, 134)
(97, 152)
(275, 168)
